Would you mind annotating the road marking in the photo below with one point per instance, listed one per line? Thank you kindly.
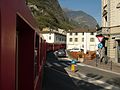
(96, 82)
(81, 64)
(57, 64)
(99, 82)
(82, 75)
(74, 77)
(109, 87)
(103, 84)
(64, 64)
(49, 64)
(66, 59)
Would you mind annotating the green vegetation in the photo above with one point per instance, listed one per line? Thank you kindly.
(48, 13)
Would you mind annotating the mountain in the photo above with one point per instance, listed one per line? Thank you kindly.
(81, 19)
(48, 13)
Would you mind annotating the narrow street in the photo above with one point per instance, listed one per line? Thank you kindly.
(58, 76)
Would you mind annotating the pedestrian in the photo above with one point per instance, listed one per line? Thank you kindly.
(97, 57)
(97, 54)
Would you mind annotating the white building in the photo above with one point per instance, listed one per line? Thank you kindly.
(53, 36)
(83, 39)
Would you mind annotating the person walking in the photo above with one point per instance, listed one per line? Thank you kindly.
(97, 57)
(97, 54)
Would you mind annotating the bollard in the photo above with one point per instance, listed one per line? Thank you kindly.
(73, 66)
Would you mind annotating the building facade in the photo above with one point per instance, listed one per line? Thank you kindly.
(54, 36)
(111, 28)
(82, 39)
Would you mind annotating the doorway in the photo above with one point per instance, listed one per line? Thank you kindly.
(24, 55)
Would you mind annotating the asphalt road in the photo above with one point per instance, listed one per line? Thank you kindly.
(101, 75)
(56, 77)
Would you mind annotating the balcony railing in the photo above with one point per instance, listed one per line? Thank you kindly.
(103, 30)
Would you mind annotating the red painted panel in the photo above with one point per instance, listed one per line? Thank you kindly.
(9, 10)
(7, 55)
(25, 56)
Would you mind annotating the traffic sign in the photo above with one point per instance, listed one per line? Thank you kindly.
(100, 38)
(100, 45)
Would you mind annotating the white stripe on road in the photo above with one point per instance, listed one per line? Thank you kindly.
(101, 83)
(64, 64)
(57, 64)
(69, 63)
(109, 87)
(81, 64)
(49, 64)
(66, 59)
(98, 82)
(95, 82)
(82, 75)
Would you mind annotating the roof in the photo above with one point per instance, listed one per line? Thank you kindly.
(45, 32)
(80, 30)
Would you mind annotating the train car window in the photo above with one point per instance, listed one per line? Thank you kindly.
(36, 56)
(25, 39)
(41, 43)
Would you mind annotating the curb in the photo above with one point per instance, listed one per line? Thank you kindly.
(101, 83)
(99, 69)
(82, 64)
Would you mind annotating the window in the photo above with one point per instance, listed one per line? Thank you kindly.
(91, 39)
(76, 39)
(59, 39)
(49, 37)
(106, 18)
(83, 33)
(70, 39)
(56, 38)
(70, 33)
(91, 33)
(83, 46)
(118, 5)
(82, 39)
(76, 33)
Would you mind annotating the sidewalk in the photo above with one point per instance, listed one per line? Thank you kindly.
(115, 67)
(109, 66)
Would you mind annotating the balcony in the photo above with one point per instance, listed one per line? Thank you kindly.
(99, 31)
(103, 31)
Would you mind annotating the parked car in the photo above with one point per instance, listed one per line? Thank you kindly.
(75, 50)
(61, 53)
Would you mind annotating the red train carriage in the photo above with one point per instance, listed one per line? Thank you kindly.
(23, 50)
(55, 46)
(21, 60)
